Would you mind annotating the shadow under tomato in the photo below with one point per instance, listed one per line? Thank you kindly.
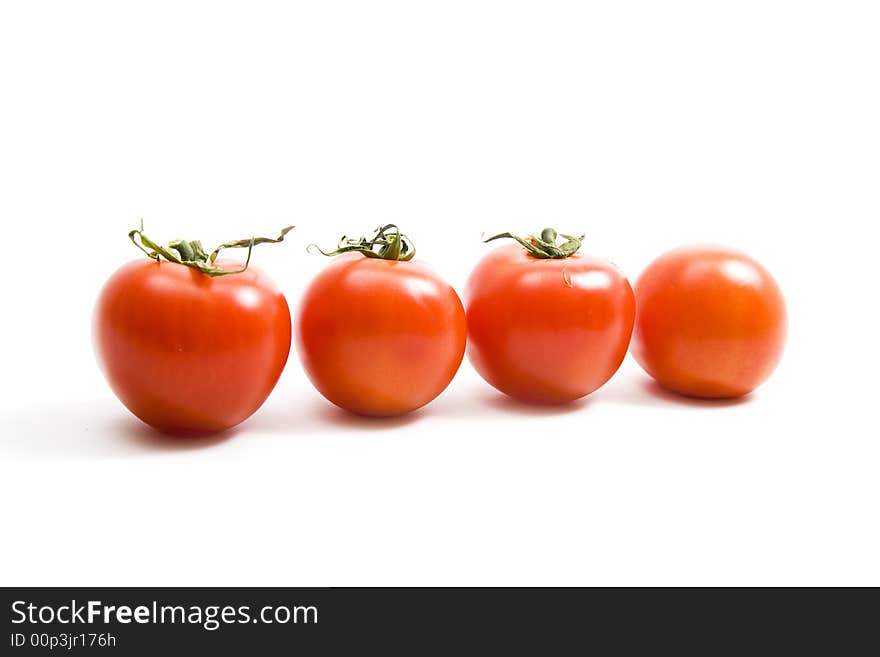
(651, 387)
(93, 429)
(645, 391)
(502, 402)
(319, 415)
(476, 400)
(143, 435)
(341, 418)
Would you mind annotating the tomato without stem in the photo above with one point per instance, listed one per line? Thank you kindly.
(189, 353)
(547, 329)
(711, 322)
(380, 336)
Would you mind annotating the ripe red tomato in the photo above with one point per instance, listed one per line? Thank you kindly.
(189, 353)
(547, 328)
(377, 335)
(710, 322)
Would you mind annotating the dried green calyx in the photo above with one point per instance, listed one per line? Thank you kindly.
(545, 246)
(192, 254)
(387, 244)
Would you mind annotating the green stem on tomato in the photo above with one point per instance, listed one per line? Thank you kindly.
(192, 254)
(387, 244)
(545, 246)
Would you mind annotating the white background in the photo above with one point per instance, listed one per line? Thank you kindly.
(647, 125)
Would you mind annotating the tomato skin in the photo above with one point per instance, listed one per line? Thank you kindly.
(710, 322)
(380, 337)
(547, 331)
(186, 353)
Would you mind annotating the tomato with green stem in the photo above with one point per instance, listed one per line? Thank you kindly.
(192, 344)
(547, 324)
(378, 333)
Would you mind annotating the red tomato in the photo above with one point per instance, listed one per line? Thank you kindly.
(547, 330)
(380, 337)
(710, 322)
(187, 353)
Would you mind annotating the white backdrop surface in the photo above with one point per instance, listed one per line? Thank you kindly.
(645, 125)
